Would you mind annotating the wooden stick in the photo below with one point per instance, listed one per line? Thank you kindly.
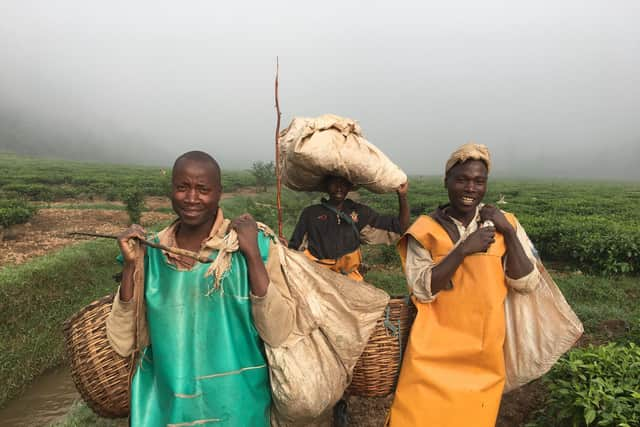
(278, 178)
(177, 251)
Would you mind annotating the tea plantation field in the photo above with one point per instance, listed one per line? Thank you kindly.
(587, 233)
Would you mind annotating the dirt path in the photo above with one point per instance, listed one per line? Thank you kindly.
(47, 230)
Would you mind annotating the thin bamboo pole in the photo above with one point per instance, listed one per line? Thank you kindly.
(278, 178)
(171, 249)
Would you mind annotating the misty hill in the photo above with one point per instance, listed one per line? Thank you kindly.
(57, 138)
(100, 141)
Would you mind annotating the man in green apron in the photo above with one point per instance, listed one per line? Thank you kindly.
(201, 345)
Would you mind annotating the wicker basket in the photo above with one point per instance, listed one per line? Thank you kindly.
(376, 372)
(100, 374)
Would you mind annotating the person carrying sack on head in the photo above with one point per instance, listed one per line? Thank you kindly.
(331, 232)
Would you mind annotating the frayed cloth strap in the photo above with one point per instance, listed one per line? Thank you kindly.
(226, 246)
(140, 312)
(138, 295)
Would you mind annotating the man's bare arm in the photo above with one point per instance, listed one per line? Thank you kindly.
(403, 209)
(518, 264)
(247, 230)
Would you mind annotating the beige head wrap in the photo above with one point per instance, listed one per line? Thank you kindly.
(469, 151)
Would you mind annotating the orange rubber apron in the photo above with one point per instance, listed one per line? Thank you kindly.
(453, 370)
(347, 264)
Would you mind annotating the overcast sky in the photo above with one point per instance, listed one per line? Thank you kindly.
(552, 87)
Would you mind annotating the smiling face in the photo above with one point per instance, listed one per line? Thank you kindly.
(195, 192)
(338, 188)
(466, 184)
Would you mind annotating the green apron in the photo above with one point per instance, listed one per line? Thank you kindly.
(206, 364)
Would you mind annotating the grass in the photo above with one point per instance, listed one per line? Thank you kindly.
(596, 299)
(35, 298)
(393, 282)
(80, 416)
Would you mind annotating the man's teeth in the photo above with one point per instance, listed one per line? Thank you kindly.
(467, 199)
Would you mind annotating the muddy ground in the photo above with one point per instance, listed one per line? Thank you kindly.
(514, 408)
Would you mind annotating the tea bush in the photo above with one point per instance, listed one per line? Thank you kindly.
(40, 192)
(134, 204)
(15, 212)
(595, 244)
(594, 386)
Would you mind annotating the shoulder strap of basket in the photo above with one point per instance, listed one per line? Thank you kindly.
(138, 295)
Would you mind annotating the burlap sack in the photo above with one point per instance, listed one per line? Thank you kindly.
(540, 327)
(313, 148)
(335, 316)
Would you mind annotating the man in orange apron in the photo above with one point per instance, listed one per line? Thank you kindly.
(459, 261)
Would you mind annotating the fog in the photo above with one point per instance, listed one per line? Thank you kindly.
(552, 88)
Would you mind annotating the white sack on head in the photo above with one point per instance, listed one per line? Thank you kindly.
(313, 148)
(335, 316)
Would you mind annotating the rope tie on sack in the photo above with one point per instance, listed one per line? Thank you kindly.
(226, 246)
(220, 267)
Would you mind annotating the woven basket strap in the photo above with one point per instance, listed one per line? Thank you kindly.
(396, 331)
(138, 295)
(407, 302)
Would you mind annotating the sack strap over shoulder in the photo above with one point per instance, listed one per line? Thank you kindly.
(343, 216)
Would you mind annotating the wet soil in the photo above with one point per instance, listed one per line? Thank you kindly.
(47, 400)
(515, 407)
(368, 411)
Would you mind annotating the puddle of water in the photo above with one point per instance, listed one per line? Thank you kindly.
(46, 400)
